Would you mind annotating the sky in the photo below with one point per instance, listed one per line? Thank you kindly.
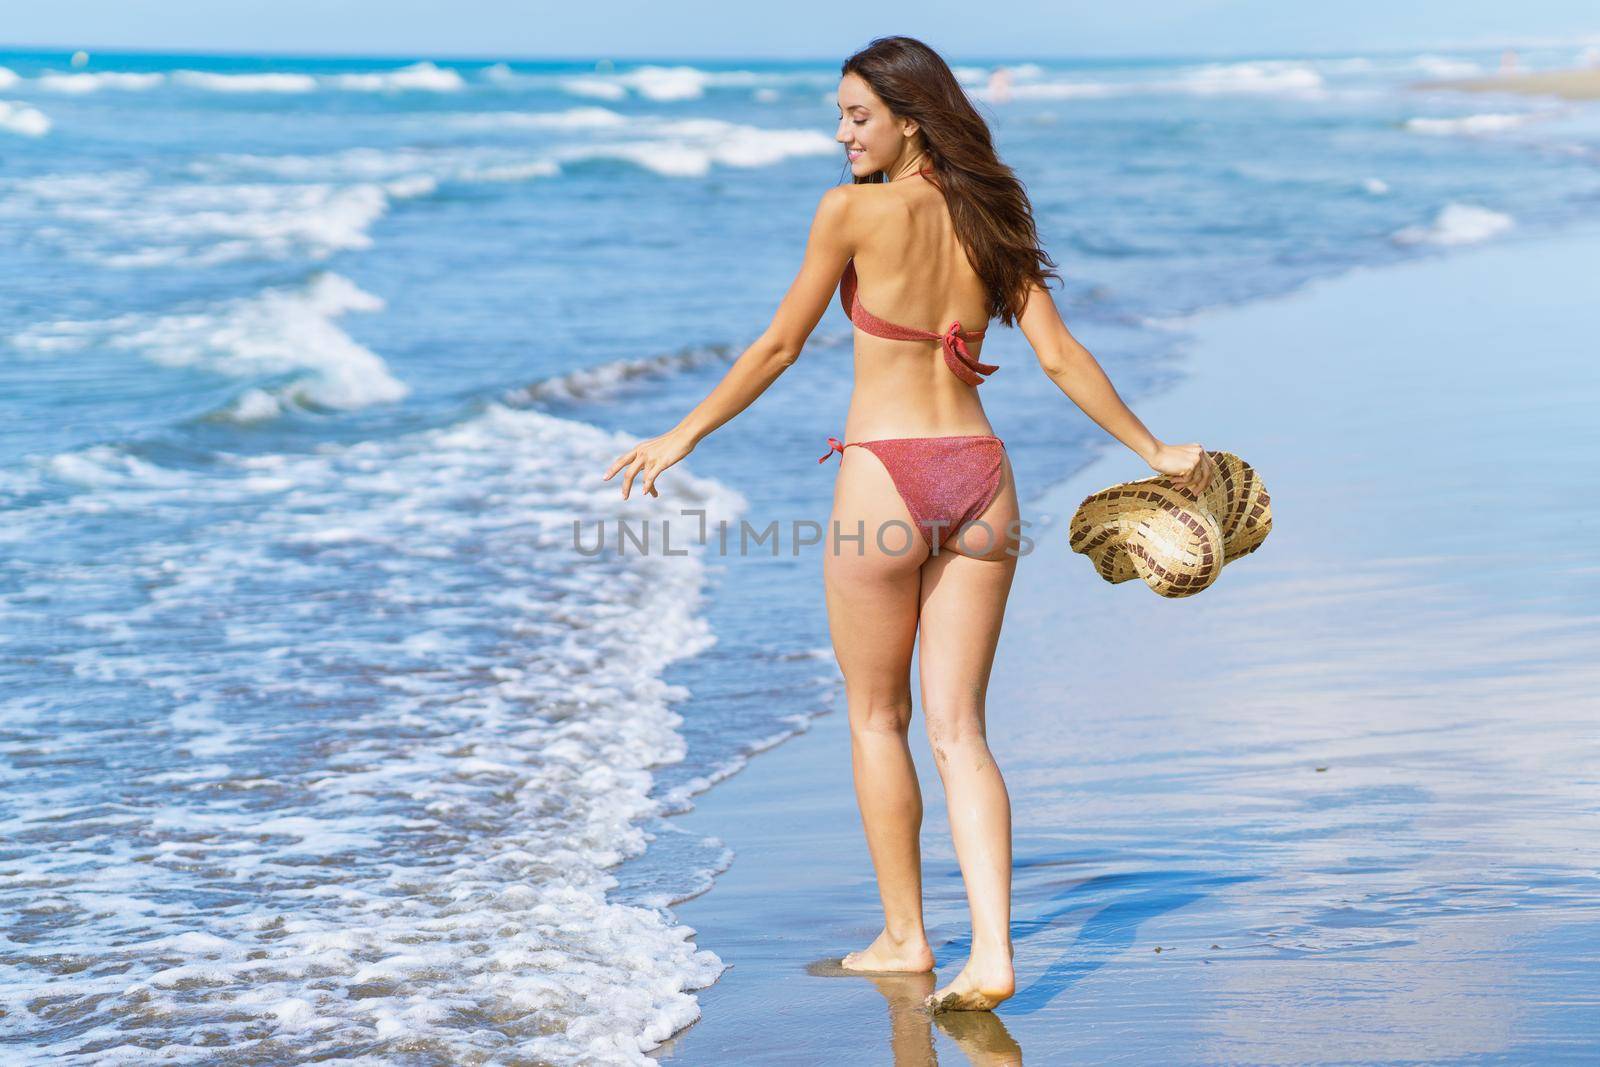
(819, 29)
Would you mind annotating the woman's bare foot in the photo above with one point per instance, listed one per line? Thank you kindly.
(888, 954)
(984, 982)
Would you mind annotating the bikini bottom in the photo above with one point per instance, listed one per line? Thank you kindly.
(946, 482)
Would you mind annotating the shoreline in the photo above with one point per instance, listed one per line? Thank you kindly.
(1582, 83)
(1106, 865)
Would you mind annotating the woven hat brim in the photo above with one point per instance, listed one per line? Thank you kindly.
(1177, 541)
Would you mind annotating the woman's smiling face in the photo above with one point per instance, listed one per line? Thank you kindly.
(873, 138)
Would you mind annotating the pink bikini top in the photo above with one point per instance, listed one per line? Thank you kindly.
(954, 340)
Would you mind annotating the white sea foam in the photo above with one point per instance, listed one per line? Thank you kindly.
(8, 78)
(104, 466)
(690, 147)
(679, 798)
(1270, 77)
(1261, 77)
(666, 83)
(1348, 65)
(589, 383)
(275, 332)
(1457, 224)
(86, 82)
(1470, 124)
(423, 76)
(672, 147)
(215, 224)
(598, 88)
(575, 118)
(123, 219)
(254, 405)
(510, 172)
(1437, 66)
(245, 83)
(20, 118)
(1393, 66)
(1056, 90)
(402, 173)
(424, 827)
(1375, 186)
(681, 82)
(350, 164)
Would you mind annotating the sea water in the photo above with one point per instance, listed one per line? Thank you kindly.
(322, 734)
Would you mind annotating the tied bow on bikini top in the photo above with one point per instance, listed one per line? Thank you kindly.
(953, 340)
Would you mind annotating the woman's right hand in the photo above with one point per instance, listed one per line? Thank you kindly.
(650, 458)
(1189, 466)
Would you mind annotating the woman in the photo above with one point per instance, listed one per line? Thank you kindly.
(943, 235)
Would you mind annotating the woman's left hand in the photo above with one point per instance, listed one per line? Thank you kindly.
(650, 458)
(1189, 466)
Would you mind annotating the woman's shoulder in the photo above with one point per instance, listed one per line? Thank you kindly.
(870, 217)
(854, 198)
(871, 194)
(861, 212)
(875, 206)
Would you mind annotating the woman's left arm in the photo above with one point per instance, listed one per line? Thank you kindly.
(828, 249)
(1078, 374)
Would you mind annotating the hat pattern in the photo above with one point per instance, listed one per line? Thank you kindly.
(1175, 539)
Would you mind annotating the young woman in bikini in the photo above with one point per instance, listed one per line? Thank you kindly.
(939, 233)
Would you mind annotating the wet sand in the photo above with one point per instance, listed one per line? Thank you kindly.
(1583, 84)
(1341, 806)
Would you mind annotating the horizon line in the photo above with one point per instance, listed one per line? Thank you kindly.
(642, 57)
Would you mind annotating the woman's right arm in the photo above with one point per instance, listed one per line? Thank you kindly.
(828, 249)
(1079, 375)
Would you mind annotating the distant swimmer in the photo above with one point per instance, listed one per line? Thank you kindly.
(1000, 85)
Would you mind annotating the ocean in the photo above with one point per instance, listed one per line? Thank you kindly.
(322, 735)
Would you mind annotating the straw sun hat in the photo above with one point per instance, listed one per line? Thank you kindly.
(1175, 539)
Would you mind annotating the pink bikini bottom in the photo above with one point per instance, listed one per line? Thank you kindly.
(946, 482)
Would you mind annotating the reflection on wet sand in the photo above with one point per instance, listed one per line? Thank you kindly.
(980, 1035)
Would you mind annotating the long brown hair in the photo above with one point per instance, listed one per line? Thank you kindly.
(988, 205)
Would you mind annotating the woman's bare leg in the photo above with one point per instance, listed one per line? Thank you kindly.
(872, 616)
(963, 603)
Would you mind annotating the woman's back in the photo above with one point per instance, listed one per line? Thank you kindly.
(912, 271)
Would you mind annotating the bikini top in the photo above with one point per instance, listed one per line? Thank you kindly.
(953, 340)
